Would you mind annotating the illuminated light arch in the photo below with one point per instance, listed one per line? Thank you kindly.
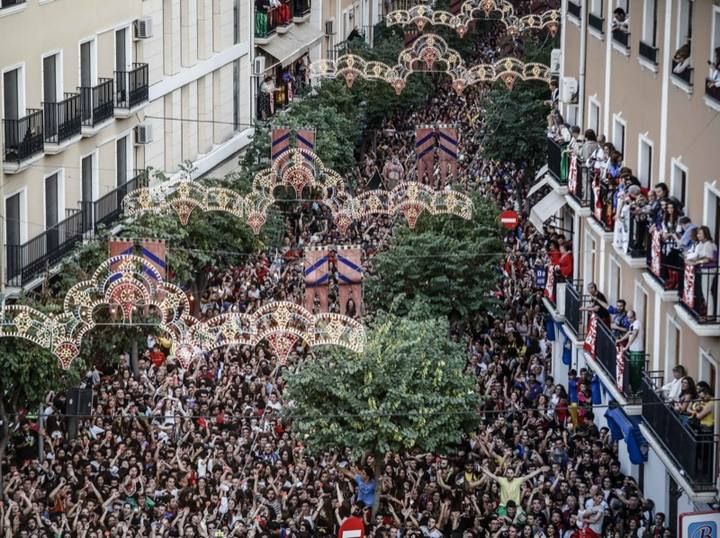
(281, 324)
(429, 54)
(501, 11)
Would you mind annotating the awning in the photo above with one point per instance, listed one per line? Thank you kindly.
(622, 426)
(542, 172)
(290, 46)
(546, 208)
(539, 185)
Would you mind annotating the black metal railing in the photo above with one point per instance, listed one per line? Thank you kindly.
(9, 3)
(31, 259)
(573, 302)
(27, 261)
(663, 259)
(131, 87)
(573, 9)
(699, 292)
(596, 22)
(621, 37)
(555, 155)
(648, 52)
(23, 137)
(268, 20)
(684, 76)
(712, 91)
(637, 245)
(301, 8)
(107, 208)
(623, 368)
(96, 102)
(580, 184)
(62, 119)
(693, 450)
(602, 202)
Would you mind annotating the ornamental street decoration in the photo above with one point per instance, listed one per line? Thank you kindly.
(301, 170)
(124, 287)
(429, 54)
(502, 11)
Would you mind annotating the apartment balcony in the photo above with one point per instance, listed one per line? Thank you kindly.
(663, 260)
(272, 21)
(579, 182)
(301, 10)
(555, 155)
(596, 23)
(602, 203)
(573, 302)
(648, 52)
(712, 95)
(684, 79)
(691, 454)
(132, 90)
(574, 9)
(96, 106)
(621, 40)
(11, 6)
(41, 254)
(62, 123)
(698, 289)
(24, 140)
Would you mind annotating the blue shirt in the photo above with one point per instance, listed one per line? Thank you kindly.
(365, 491)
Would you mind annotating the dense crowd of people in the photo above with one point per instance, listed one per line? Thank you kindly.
(205, 451)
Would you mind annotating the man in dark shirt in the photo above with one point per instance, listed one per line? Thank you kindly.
(598, 304)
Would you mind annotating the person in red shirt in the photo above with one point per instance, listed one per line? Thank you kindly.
(157, 357)
(565, 262)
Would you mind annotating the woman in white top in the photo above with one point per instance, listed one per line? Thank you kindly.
(671, 391)
(713, 80)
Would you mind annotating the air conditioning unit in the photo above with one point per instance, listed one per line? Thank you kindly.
(568, 90)
(143, 28)
(555, 60)
(143, 134)
(259, 66)
(329, 30)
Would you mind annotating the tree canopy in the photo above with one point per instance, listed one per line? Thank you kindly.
(407, 390)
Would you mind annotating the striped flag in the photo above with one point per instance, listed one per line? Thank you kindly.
(279, 142)
(316, 273)
(425, 151)
(120, 247)
(306, 139)
(154, 251)
(349, 265)
(447, 150)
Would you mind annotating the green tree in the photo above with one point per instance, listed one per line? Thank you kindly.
(407, 391)
(448, 262)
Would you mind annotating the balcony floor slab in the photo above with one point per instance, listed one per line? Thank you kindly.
(89, 131)
(658, 290)
(124, 113)
(15, 167)
(633, 263)
(54, 149)
(701, 329)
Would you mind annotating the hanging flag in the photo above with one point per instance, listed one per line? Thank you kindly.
(447, 150)
(279, 142)
(424, 151)
(316, 273)
(349, 275)
(572, 175)
(550, 283)
(688, 290)
(120, 247)
(619, 367)
(306, 139)
(591, 337)
(154, 251)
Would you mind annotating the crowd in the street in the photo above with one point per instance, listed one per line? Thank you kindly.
(205, 451)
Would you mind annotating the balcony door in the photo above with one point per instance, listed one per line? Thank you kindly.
(11, 93)
(50, 93)
(121, 154)
(87, 79)
(12, 235)
(122, 59)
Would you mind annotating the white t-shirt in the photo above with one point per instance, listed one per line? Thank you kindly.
(638, 343)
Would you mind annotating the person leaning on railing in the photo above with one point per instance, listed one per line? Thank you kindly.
(671, 391)
(702, 411)
(703, 255)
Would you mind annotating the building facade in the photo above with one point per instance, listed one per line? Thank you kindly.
(637, 72)
(102, 91)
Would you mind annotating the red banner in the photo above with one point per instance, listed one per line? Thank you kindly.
(591, 336)
(120, 247)
(279, 142)
(572, 175)
(655, 252)
(550, 283)
(154, 251)
(619, 367)
(688, 290)
(598, 205)
(306, 139)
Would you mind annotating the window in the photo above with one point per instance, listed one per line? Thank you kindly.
(122, 160)
(12, 106)
(672, 348)
(596, 7)
(678, 182)
(649, 27)
(708, 369)
(88, 173)
(51, 71)
(594, 115)
(645, 154)
(618, 137)
(51, 201)
(640, 306)
(9, 3)
(13, 235)
(715, 42)
(613, 292)
(684, 23)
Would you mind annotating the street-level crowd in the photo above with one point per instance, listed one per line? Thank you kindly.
(204, 451)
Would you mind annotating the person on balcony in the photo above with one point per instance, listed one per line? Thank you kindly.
(704, 255)
(687, 239)
(671, 391)
(589, 147)
(565, 261)
(670, 231)
(598, 304)
(681, 59)
(688, 393)
(620, 20)
(620, 322)
(713, 80)
(634, 343)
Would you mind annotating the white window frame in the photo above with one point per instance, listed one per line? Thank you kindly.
(93, 60)
(593, 121)
(618, 120)
(675, 189)
(680, 34)
(590, 249)
(95, 173)
(129, 160)
(649, 35)
(642, 294)
(22, 110)
(128, 47)
(596, 8)
(624, 5)
(714, 31)
(706, 357)
(59, 82)
(614, 287)
(643, 140)
(673, 337)
(23, 213)
(61, 195)
(709, 216)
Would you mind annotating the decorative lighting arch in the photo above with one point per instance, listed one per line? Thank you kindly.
(429, 54)
(124, 284)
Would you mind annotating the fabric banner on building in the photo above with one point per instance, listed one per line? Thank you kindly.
(619, 367)
(572, 175)
(306, 139)
(425, 152)
(688, 290)
(279, 142)
(591, 337)
(316, 272)
(655, 252)
(154, 251)
(349, 275)
(550, 283)
(598, 205)
(447, 150)
(120, 247)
